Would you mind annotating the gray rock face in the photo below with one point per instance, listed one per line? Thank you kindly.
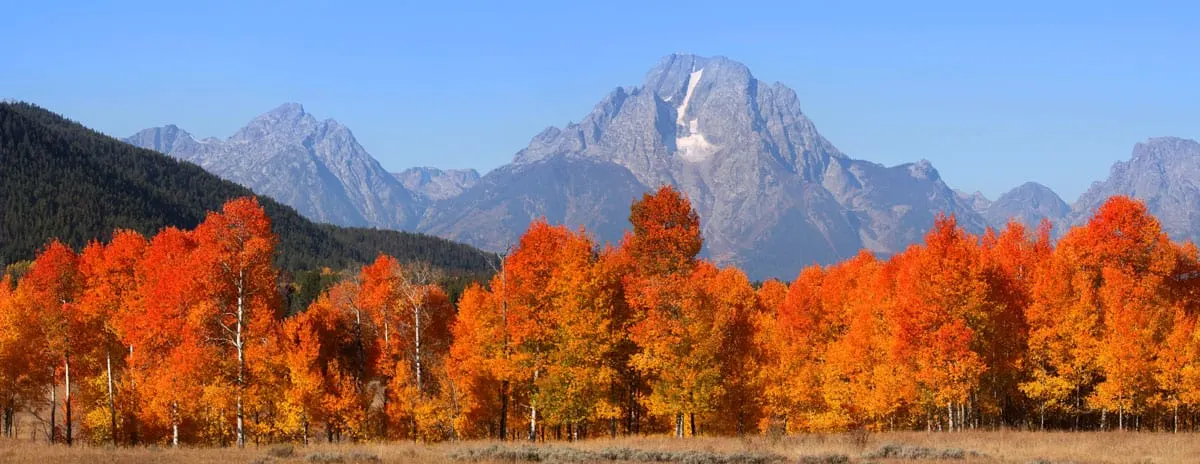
(1165, 173)
(1028, 204)
(314, 166)
(433, 184)
(574, 191)
(977, 201)
(773, 195)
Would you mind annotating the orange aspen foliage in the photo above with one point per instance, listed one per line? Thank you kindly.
(794, 340)
(415, 317)
(179, 339)
(307, 388)
(478, 341)
(628, 388)
(864, 381)
(560, 327)
(662, 252)
(111, 282)
(941, 303)
(666, 233)
(240, 302)
(52, 289)
(1134, 260)
(1009, 260)
(166, 355)
(24, 372)
(736, 308)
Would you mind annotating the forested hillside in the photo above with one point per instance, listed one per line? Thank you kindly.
(60, 179)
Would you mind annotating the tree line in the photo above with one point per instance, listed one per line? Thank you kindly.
(184, 337)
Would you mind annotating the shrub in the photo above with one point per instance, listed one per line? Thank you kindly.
(331, 458)
(281, 451)
(830, 458)
(567, 454)
(894, 451)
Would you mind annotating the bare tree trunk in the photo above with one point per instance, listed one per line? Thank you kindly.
(67, 397)
(533, 412)
(241, 355)
(112, 404)
(174, 424)
(692, 416)
(133, 431)
(679, 425)
(417, 345)
(950, 416)
(961, 418)
(387, 338)
(503, 410)
(53, 411)
(360, 348)
(504, 335)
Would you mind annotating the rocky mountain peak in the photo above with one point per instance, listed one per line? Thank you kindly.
(286, 121)
(314, 166)
(1028, 203)
(923, 170)
(164, 139)
(1164, 172)
(759, 174)
(673, 74)
(1033, 189)
(1170, 149)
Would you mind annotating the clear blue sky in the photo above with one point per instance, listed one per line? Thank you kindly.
(992, 95)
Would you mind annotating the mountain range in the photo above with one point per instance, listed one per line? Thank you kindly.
(61, 180)
(772, 193)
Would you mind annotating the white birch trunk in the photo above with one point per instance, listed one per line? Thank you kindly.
(417, 344)
(67, 397)
(112, 404)
(241, 358)
(53, 410)
(533, 413)
(950, 416)
(175, 424)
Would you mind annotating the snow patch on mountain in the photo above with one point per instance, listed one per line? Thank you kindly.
(690, 143)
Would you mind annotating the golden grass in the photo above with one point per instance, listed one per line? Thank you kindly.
(997, 446)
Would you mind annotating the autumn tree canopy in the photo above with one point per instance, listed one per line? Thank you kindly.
(184, 337)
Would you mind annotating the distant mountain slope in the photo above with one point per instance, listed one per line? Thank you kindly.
(314, 166)
(578, 192)
(60, 179)
(771, 192)
(433, 184)
(1028, 203)
(1164, 172)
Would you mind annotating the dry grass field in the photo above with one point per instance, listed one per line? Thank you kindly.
(908, 447)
